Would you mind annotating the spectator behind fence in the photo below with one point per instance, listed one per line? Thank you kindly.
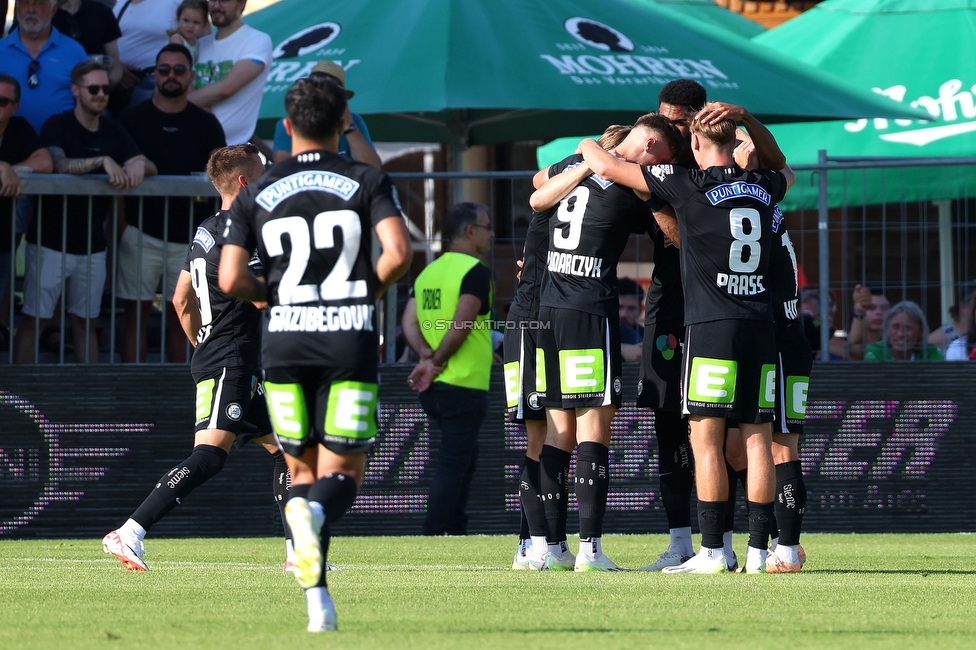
(81, 141)
(178, 137)
(964, 347)
(354, 142)
(867, 325)
(961, 315)
(192, 23)
(631, 297)
(143, 24)
(40, 58)
(905, 331)
(20, 146)
(94, 26)
(451, 293)
(231, 69)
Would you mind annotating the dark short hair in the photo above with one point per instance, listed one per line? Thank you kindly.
(459, 217)
(83, 68)
(227, 163)
(199, 5)
(664, 128)
(315, 105)
(179, 49)
(7, 79)
(629, 287)
(683, 92)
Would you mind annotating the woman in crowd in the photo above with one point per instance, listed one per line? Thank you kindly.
(905, 330)
(964, 347)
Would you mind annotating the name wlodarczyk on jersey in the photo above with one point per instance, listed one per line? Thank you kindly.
(230, 330)
(725, 216)
(310, 219)
(588, 232)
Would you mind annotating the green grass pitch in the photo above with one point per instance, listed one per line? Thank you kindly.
(856, 591)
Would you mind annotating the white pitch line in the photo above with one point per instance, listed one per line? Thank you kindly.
(260, 567)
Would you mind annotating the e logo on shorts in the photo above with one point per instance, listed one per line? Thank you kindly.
(352, 410)
(512, 383)
(205, 398)
(581, 371)
(767, 386)
(286, 402)
(712, 380)
(796, 397)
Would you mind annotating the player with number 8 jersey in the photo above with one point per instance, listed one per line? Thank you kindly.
(311, 219)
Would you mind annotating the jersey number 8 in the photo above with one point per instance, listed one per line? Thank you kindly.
(746, 251)
(337, 284)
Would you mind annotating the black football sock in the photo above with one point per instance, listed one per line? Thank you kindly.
(203, 463)
(760, 521)
(280, 484)
(791, 501)
(336, 493)
(592, 486)
(729, 522)
(554, 490)
(676, 466)
(533, 512)
(711, 517)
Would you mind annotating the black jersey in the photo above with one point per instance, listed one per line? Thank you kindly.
(311, 219)
(784, 273)
(665, 299)
(725, 217)
(588, 231)
(230, 329)
(526, 303)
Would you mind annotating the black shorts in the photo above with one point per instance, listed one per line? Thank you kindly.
(232, 399)
(524, 372)
(793, 365)
(334, 407)
(660, 379)
(581, 354)
(730, 370)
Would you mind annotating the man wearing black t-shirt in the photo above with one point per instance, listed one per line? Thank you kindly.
(19, 147)
(178, 137)
(725, 223)
(81, 141)
(311, 219)
(226, 334)
(588, 232)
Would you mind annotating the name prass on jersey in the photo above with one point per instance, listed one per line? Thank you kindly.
(740, 285)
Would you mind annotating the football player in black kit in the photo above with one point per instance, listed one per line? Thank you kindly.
(311, 219)
(725, 217)
(225, 333)
(523, 379)
(581, 349)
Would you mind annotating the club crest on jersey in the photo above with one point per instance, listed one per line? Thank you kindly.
(312, 180)
(204, 238)
(737, 190)
(661, 171)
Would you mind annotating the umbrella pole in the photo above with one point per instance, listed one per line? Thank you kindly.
(947, 277)
(823, 237)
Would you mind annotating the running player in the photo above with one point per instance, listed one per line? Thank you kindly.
(523, 379)
(725, 221)
(225, 333)
(310, 219)
(581, 349)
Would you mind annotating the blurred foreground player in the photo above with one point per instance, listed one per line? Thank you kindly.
(310, 219)
(225, 332)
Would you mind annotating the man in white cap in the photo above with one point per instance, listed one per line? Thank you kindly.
(355, 141)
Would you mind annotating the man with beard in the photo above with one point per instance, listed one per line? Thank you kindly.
(231, 69)
(178, 137)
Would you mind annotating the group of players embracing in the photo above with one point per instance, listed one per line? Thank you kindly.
(725, 364)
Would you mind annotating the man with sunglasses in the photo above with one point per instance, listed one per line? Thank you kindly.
(81, 141)
(40, 58)
(178, 137)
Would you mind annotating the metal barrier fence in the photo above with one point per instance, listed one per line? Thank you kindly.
(911, 248)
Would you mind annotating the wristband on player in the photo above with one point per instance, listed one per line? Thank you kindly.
(349, 129)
